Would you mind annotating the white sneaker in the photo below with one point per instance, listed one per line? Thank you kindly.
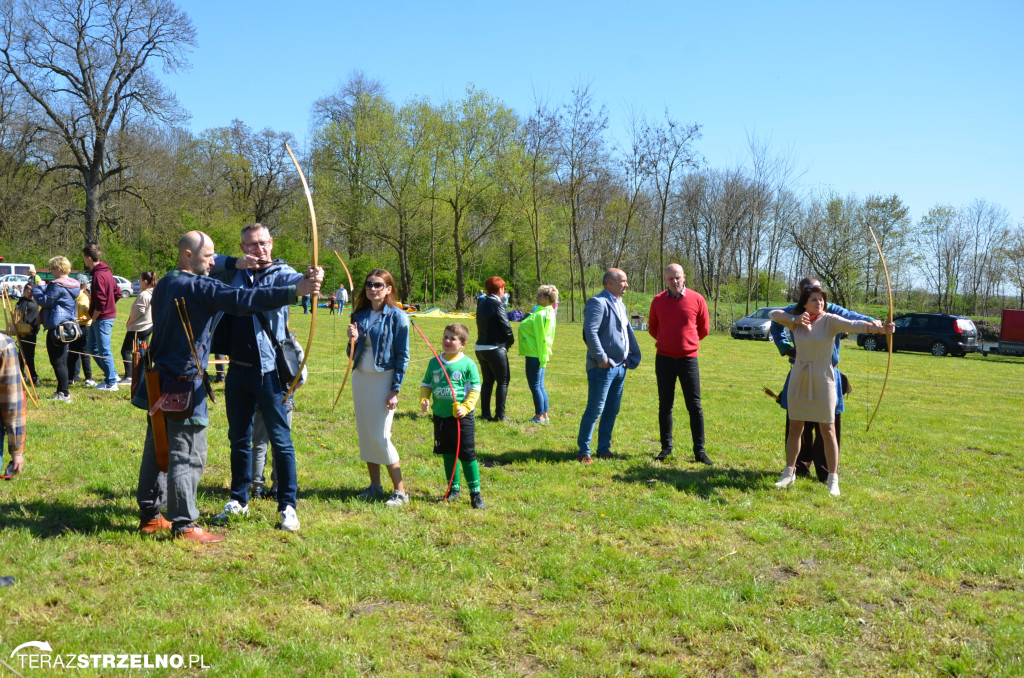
(90, 382)
(289, 521)
(60, 397)
(397, 499)
(127, 381)
(833, 484)
(106, 387)
(788, 477)
(232, 508)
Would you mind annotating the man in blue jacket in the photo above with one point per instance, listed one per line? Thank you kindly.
(252, 380)
(812, 447)
(611, 350)
(200, 299)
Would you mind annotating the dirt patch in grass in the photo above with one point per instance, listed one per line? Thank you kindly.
(371, 607)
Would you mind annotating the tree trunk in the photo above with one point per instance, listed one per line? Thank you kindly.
(92, 208)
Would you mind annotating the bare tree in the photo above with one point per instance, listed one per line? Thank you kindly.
(985, 225)
(943, 242)
(670, 151)
(1012, 254)
(87, 67)
(581, 154)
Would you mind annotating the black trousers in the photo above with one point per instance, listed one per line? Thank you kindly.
(58, 352)
(128, 344)
(28, 355)
(812, 448)
(686, 371)
(75, 357)
(493, 372)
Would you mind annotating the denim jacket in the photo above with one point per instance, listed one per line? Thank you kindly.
(390, 337)
(277, 275)
(58, 298)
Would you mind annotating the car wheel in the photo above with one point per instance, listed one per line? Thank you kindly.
(939, 349)
(870, 344)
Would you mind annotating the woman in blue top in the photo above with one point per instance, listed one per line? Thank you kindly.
(380, 365)
(58, 299)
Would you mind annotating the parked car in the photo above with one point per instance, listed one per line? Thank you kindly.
(936, 333)
(125, 285)
(136, 288)
(754, 326)
(14, 283)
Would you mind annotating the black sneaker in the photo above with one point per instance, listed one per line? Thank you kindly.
(451, 496)
(477, 501)
(702, 458)
(664, 455)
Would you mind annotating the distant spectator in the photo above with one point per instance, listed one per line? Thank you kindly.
(140, 323)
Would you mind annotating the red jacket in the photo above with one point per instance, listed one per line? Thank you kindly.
(105, 292)
(678, 325)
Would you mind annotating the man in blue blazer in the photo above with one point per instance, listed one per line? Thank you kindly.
(611, 350)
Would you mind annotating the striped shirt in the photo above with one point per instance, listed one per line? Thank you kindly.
(13, 404)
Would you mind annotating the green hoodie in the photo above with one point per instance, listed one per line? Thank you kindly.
(537, 334)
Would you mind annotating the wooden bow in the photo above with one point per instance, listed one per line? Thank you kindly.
(888, 337)
(316, 259)
(352, 350)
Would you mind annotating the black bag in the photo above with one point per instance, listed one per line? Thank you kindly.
(287, 354)
(69, 331)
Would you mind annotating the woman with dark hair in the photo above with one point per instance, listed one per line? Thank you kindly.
(58, 298)
(494, 337)
(379, 345)
(811, 389)
(140, 322)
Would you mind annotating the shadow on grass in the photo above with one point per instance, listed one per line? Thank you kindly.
(47, 519)
(703, 481)
(541, 456)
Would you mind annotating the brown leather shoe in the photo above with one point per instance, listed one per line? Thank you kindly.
(157, 524)
(198, 535)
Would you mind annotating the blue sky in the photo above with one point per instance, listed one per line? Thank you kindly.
(922, 99)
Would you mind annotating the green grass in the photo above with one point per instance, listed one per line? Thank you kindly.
(623, 568)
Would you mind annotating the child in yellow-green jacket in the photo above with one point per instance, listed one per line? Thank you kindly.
(536, 339)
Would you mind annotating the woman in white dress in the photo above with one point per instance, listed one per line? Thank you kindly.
(811, 395)
(379, 342)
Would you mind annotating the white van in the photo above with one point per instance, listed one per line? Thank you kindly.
(20, 269)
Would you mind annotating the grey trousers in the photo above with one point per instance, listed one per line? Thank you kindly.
(177, 488)
(261, 441)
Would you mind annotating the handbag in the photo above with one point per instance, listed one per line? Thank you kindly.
(287, 354)
(176, 399)
(68, 331)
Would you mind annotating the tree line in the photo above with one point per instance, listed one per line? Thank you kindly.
(93, 149)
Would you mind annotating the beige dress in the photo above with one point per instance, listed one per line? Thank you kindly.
(811, 394)
(370, 389)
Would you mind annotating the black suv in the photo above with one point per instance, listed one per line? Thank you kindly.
(936, 333)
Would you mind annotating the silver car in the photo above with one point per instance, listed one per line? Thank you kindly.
(754, 326)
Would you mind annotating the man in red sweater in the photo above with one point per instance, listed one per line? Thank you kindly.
(104, 295)
(678, 321)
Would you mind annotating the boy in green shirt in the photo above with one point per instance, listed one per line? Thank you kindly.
(453, 413)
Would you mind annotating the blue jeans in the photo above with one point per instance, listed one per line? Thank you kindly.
(244, 389)
(99, 345)
(535, 379)
(604, 395)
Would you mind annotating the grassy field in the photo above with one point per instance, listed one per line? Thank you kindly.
(629, 567)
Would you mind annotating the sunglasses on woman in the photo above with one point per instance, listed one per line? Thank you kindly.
(374, 285)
